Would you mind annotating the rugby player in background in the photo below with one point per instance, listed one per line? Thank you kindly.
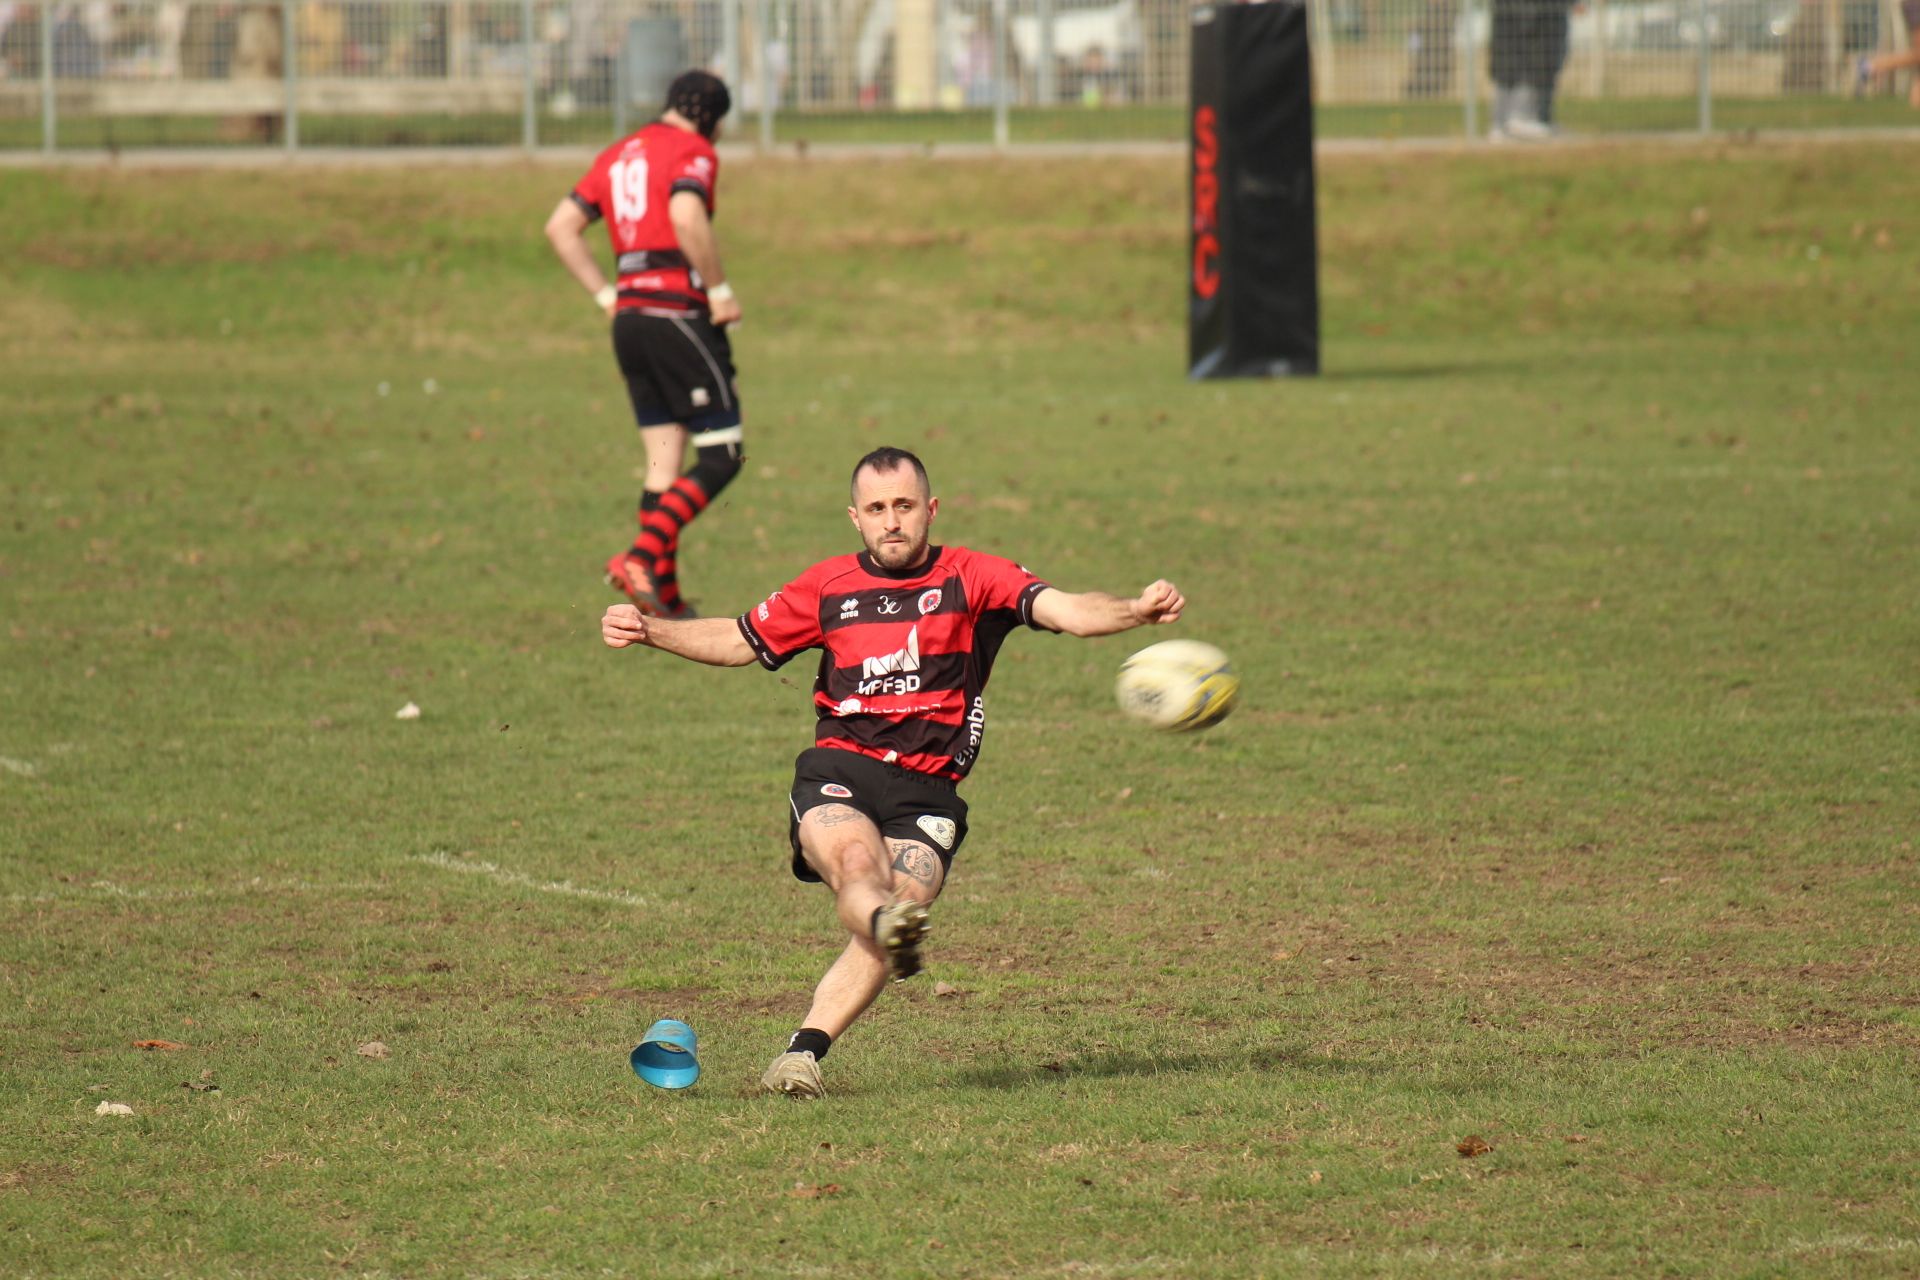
(670, 312)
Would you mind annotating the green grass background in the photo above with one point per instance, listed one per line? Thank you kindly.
(1571, 805)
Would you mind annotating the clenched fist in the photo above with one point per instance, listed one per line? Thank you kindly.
(622, 625)
(1160, 602)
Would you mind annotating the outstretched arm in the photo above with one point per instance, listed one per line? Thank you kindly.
(1095, 613)
(714, 641)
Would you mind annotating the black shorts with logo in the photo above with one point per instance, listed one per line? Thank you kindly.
(678, 367)
(905, 805)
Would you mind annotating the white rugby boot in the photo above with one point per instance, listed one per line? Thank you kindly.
(900, 928)
(797, 1075)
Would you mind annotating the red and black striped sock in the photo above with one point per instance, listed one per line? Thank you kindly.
(662, 518)
(658, 541)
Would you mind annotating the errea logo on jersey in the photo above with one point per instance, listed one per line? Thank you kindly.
(849, 608)
(895, 673)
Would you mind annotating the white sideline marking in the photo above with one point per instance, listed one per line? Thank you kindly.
(109, 889)
(25, 768)
(500, 875)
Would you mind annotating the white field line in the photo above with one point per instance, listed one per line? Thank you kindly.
(25, 768)
(519, 879)
(270, 888)
(257, 885)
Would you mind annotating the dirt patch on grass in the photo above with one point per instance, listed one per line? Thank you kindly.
(39, 1177)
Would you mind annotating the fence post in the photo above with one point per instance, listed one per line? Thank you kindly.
(49, 120)
(1326, 60)
(529, 128)
(1000, 49)
(290, 71)
(1833, 62)
(1045, 89)
(730, 46)
(1469, 72)
(763, 41)
(1706, 68)
(1598, 83)
(620, 75)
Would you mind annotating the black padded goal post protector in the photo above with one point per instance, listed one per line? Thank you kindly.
(1254, 285)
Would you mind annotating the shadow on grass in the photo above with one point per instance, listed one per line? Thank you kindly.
(1418, 372)
(1109, 1064)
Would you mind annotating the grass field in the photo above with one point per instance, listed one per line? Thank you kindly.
(1571, 808)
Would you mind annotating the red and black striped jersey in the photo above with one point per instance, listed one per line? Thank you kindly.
(630, 185)
(905, 653)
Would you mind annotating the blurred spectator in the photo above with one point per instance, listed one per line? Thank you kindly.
(1430, 51)
(19, 41)
(323, 39)
(1093, 74)
(1527, 48)
(81, 34)
(1871, 68)
(257, 55)
(206, 41)
(76, 54)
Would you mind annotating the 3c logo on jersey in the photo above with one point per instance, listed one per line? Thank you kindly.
(929, 601)
(835, 790)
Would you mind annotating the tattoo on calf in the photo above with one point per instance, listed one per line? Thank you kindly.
(915, 860)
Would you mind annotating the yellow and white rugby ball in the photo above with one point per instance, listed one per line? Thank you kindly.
(1178, 685)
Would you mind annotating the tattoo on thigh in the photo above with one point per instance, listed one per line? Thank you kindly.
(834, 815)
(915, 860)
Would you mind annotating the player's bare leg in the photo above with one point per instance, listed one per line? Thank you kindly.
(857, 977)
(848, 852)
(666, 447)
(860, 973)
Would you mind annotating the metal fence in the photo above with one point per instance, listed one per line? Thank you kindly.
(524, 73)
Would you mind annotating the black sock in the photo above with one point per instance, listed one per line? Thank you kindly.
(808, 1040)
(873, 922)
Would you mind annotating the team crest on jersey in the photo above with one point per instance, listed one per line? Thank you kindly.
(929, 601)
(941, 829)
(835, 790)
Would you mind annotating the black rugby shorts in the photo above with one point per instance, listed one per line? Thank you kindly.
(678, 368)
(905, 805)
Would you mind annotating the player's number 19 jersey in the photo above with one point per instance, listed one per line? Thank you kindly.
(631, 185)
(905, 657)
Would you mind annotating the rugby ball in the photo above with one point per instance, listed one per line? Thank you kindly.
(1179, 685)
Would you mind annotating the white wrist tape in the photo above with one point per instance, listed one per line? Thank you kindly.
(721, 292)
(606, 296)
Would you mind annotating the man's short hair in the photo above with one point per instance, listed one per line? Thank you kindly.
(702, 98)
(887, 459)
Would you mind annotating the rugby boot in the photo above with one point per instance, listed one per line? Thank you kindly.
(630, 574)
(900, 928)
(797, 1075)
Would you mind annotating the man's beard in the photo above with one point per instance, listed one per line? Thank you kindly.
(896, 555)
